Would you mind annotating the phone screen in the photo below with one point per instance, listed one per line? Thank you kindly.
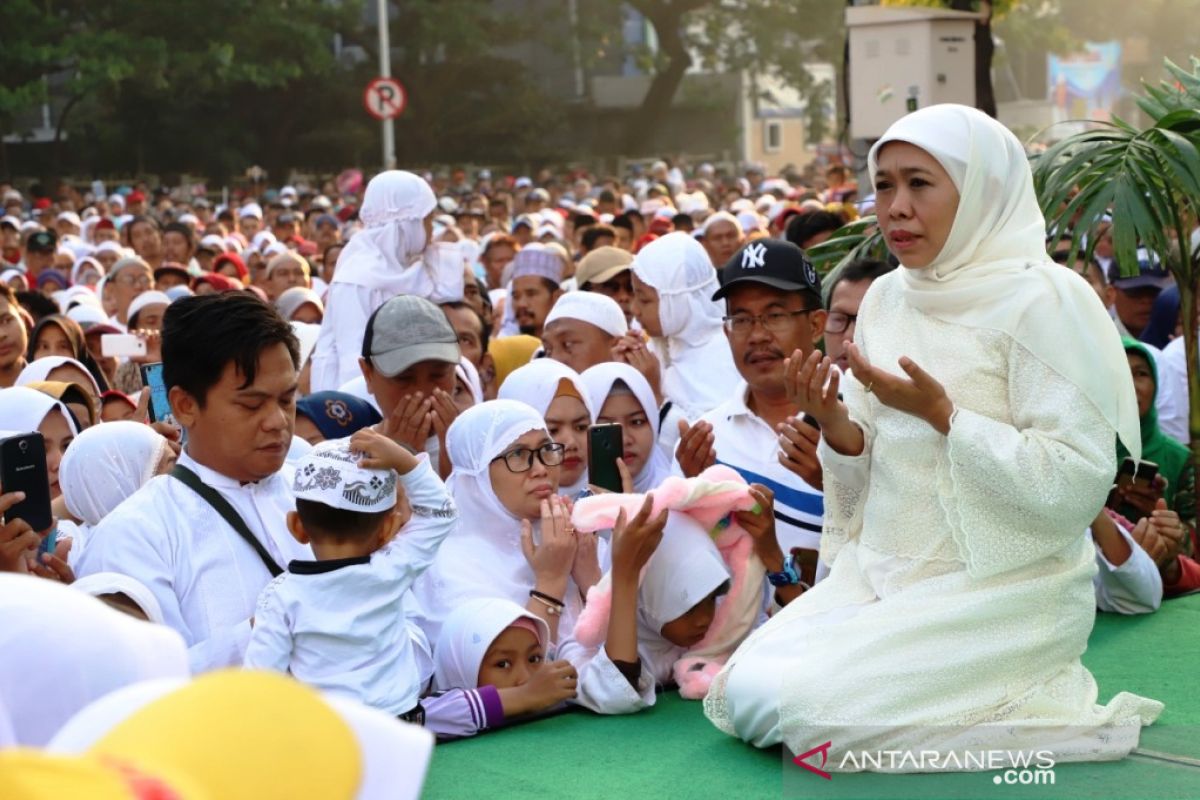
(160, 407)
(605, 447)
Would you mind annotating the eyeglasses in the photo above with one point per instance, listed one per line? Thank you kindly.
(774, 322)
(837, 322)
(138, 282)
(520, 459)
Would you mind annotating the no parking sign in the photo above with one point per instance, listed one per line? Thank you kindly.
(385, 98)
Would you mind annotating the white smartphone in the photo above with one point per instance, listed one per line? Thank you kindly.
(122, 345)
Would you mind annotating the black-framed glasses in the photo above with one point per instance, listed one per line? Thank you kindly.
(837, 322)
(774, 322)
(520, 459)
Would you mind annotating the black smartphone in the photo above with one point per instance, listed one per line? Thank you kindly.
(605, 447)
(23, 469)
(152, 380)
(1125, 473)
(1144, 477)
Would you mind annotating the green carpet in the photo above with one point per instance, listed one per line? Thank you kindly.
(671, 751)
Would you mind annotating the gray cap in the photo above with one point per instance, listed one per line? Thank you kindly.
(406, 330)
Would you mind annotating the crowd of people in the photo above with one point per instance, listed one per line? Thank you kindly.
(376, 472)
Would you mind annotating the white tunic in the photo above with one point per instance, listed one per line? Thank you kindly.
(205, 578)
(960, 587)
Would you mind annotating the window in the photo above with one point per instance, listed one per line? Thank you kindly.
(773, 136)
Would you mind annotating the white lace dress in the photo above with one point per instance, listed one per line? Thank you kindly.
(960, 592)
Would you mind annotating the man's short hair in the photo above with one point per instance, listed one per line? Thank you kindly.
(326, 523)
(201, 335)
(181, 229)
(861, 269)
(484, 327)
(594, 232)
(802, 227)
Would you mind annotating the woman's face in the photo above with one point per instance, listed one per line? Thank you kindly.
(58, 435)
(637, 434)
(511, 659)
(522, 493)
(52, 341)
(567, 419)
(462, 397)
(307, 430)
(915, 201)
(645, 307)
(309, 313)
(1143, 382)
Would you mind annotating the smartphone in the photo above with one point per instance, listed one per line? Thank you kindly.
(160, 406)
(1125, 473)
(23, 469)
(1144, 476)
(605, 446)
(122, 345)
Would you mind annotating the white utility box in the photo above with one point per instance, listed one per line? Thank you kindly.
(901, 58)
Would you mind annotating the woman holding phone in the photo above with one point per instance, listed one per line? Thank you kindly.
(972, 447)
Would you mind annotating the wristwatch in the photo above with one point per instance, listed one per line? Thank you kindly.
(788, 576)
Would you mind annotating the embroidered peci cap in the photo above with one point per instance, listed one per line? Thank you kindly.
(330, 475)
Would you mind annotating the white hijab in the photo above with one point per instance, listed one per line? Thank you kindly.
(99, 583)
(63, 649)
(599, 381)
(483, 556)
(106, 464)
(22, 409)
(685, 568)
(698, 369)
(468, 633)
(466, 370)
(40, 369)
(993, 272)
(536, 384)
(392, 238)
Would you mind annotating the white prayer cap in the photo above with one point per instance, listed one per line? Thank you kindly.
(110, 247)
(251, 210)
(537, 260)
(330, 475)
(275, 249)
(87, 314)
(261, 240)
(212, 242)
(31, 225)
(591, 307)
(116, 200)
(71, 217)
(523, 183)
(150, 298)
(749, 221)
(720, 216)
(546, 230)
(289, 191)
(740, 205)
(189, 219)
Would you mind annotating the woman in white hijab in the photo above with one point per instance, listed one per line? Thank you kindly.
(468, 389)
(25, 410)
(673, 285)
(382, 260)
(961, 482)
(515, 539)
(622, 395)
(63, 649)
(59, 368)
(558, 393)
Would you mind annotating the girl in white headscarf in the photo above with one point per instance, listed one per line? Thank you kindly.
(25, 410)
(673, 285)
(960, 595)
(63, 649)
(514, 538)
(621, 394)
(558, 393)
(382, 260)
(468, 390)
(59, 368)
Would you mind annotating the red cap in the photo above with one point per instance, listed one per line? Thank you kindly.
(217, 281)
(135, 197)
(106, 224)
(113, 394)
(660, 226)
(231, 258)
(645, 240)
(42, 203)
(346, 212)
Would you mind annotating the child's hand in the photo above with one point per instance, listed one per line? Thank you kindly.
(635, 540)
(760, 524)
(551, 684)
(380, 452)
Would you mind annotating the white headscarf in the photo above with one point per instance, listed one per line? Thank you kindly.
(290, 301)
(993, 272)
(686, 568)
(697, 363)
(466, 370)
(536, 384)
(99, 583)
(22, 409)
(468, 633)
(63, 649)
(40, 369)
(483, 556)
(599, 381)
(106, 464)
(393, 235)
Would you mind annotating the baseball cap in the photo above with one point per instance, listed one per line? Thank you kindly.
(1151, 273)
(771, 262)
(42, 242)
(602, 264)
(406, 330)
(330, 475)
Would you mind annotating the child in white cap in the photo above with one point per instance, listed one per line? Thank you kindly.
(338, 622)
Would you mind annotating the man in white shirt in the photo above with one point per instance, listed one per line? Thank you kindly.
(773, 306)
(230, 366)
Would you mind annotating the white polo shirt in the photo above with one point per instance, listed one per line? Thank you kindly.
(749, 445)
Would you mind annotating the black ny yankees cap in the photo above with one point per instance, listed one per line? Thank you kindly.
(771, 262)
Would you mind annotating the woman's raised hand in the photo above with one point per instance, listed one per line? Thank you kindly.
(552, 559)
(918, 394)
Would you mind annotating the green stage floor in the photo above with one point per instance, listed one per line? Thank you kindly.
(671, 751)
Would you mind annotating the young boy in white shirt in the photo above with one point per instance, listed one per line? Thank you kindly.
(338, 622)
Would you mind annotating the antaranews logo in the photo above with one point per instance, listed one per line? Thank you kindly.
(823, 749)
(1014, 768)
